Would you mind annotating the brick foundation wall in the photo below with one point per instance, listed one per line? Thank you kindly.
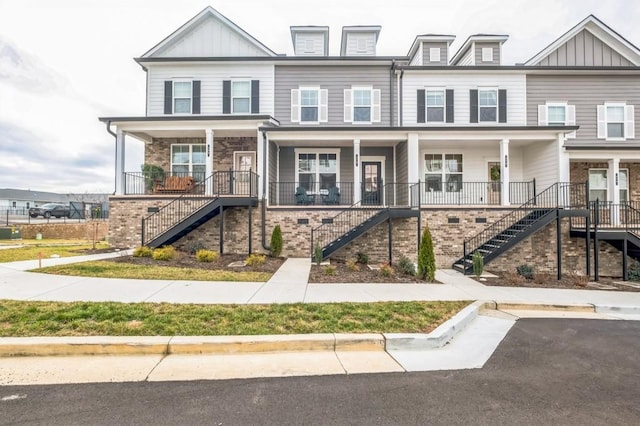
(89, 230)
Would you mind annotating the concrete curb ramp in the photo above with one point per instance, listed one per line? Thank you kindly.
(337, 342)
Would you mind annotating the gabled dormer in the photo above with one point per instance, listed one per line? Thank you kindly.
(591, 43)
(430, 50)
(480, 49)
(359, 40)
(310, 40)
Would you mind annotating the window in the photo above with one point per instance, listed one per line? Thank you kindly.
(309, 105)
(182, 97)
(443, 169)
(434, 54)
(488, 105)
(599, 188)
(616, 121)
(435, 106)
(188, 160)
(362, 105)
(241, 97)
(556, 115)
(316, 171)
(487, 54)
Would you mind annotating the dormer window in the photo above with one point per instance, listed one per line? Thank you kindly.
(487, 54)
(434, 54)
(361, 45)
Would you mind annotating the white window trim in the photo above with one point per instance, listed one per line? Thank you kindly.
(443, 172)
(173, 95)
(353, 105)
(434, 54)
(298, 151)
(317, 90)
(240, 80)
(191, 164)
(485, 89)
(444, 104)
(622, 105)
(487, 54)
(606, 188)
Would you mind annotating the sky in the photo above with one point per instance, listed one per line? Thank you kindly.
(64, 63)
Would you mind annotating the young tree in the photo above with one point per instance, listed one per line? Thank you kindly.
(276, 242)
(426, 257)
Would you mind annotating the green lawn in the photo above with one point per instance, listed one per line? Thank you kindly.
(31, 251)
(19, 318)
(106, 269)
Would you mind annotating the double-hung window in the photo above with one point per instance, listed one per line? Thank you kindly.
(188, 160)
(488, 105)
(309, 105)
(557, 114)
(616, 121)
(599, 187)
(182, 92)
(443, 171)
(317, 169)
(241, 97)
(435, 105)
(309, 99)
(362, 105)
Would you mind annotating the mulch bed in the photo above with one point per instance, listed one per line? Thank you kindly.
(342, 274)
(568, 281)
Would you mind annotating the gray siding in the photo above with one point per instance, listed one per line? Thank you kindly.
(443, 53)
(336, 79)
(273, 163)
(402, 164)
(585, 92)
(496, 53)
(584, 49)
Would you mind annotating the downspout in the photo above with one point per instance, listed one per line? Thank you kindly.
(400, 97)
(264, 193)
(115, 136)
(391, 72)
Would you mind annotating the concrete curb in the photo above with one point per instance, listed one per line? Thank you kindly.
(622, 310)
(578, 307)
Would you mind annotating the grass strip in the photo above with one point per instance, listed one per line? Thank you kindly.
(105, 269)
(27, 318)
(31, 252)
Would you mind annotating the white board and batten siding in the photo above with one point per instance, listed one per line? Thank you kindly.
(211, 76)
(462, 83)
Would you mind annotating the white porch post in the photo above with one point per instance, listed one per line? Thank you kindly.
(209, 162)
(563, 160)
(357, 159)
(413, 160)
(613, 176)
(120, 181)
(504, 171)
(262, 160)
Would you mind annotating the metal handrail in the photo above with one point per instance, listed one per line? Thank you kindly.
(224, 183)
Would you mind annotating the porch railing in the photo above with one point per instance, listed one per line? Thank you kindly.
(314, 193)
(222, 182)
(475, 193)
(607, 215)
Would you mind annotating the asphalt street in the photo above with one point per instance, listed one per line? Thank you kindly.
(546, 371)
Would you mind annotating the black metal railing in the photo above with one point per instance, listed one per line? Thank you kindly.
(606, 215)
(229, 183)
(559, 195)
(403, 194)
(310, 194)
(475, 193)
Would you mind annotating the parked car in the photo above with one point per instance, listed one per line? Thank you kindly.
(50, 209)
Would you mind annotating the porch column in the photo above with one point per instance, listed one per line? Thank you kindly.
(504, 171)
(357, 174)
(613, 177)
(413, 160)
(262, 158)
(120, 181)
(209, 162)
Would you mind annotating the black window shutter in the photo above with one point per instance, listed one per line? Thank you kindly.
(502, 106)
(195, 99)
(473, 104)
(255, 96)
(421, 106)
(449, 105)
(226, 96)
(168, 96)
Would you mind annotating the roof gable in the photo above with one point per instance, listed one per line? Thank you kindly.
(209, 34)
(591, 43)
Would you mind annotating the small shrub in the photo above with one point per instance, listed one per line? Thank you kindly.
(478, 263)
(255, 260)
(329, 270)
(386, 270)
(525, 271)
(426, 257)
(317, 254)
(276, 242)
(577, 280)
(541, 279)
(165, 253)
(514, 278)
(207, 256)
(196, 246)
(143, 251)
(352, 265)
(362, 258)
(406, 266)
(633, 272)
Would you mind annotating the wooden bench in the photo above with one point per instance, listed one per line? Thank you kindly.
(175, 184)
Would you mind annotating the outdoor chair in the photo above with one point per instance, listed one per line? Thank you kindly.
(302, 198)
(332, 197)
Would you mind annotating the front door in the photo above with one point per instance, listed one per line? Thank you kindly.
(371, 183)
(493, 188)
(244, 168)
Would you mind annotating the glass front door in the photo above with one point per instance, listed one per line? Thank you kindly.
(371, 183)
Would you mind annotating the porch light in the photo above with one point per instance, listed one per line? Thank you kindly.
(506, 161)
(356, 160)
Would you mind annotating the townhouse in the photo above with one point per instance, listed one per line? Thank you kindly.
(359, 152)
